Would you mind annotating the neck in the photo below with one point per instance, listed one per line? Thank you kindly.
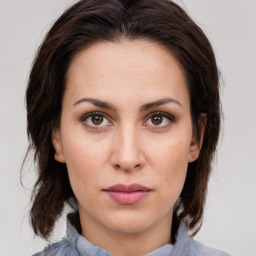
(126, 244)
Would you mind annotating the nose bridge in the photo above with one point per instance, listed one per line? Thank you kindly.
(127, 153)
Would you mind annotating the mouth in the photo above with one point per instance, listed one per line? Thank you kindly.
(127, 194)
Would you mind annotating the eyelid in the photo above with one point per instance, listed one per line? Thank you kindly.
(84, 117)
(91, 114)
(170, 117)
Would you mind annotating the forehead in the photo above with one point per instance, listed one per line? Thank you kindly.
(138, 55)
(126, 68)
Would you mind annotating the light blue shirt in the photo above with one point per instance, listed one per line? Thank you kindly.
(77, 245)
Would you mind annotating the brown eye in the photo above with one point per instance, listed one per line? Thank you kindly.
(97, 119)
(156, 120)
(160, 120)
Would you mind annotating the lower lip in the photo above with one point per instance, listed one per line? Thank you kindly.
(127, 197)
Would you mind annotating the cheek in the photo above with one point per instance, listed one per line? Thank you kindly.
(170, 153)
(83, 153)
(170, 163)
(85, 162)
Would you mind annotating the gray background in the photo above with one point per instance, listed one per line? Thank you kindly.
(229, 221)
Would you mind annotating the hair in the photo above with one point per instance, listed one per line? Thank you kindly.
(84, 24)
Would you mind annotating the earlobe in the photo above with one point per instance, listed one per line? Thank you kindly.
(57, 144)
(198, 138)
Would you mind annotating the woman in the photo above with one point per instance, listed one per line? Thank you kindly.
(123, 116)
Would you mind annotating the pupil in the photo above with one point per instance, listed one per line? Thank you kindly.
(157, 120)
(97, 119)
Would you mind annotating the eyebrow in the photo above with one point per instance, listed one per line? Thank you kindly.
(147, 106)
(96, 102)
(159, 103)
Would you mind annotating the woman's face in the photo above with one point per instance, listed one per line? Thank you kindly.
(126, 135)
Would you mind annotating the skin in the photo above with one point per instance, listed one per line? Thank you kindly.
(127, 145)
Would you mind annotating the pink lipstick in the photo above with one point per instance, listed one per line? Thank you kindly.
(127, 194)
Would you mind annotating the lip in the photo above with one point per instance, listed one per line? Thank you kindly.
(127, 194)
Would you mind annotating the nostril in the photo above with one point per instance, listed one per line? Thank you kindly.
(117, 166)
(127, 168)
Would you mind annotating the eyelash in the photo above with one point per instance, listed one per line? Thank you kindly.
(83, 119)
(169, 117)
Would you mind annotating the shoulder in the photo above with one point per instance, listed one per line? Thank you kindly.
(62, 248)
(199, 249)
(186, 245)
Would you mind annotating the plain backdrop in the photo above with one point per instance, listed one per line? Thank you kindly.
(229, 222)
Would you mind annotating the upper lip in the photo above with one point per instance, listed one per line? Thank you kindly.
(128, 188)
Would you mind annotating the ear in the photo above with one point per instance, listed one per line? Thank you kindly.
(57, 144)
(197, 139)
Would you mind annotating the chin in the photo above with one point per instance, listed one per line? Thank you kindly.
(130, 223)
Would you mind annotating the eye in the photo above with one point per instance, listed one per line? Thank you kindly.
(95, 119)
(160, 119)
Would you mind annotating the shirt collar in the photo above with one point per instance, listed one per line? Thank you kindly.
(84, 247)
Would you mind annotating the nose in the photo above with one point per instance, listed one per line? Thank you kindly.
(127, 154)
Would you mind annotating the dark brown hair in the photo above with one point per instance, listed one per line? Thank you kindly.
(91, 21)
